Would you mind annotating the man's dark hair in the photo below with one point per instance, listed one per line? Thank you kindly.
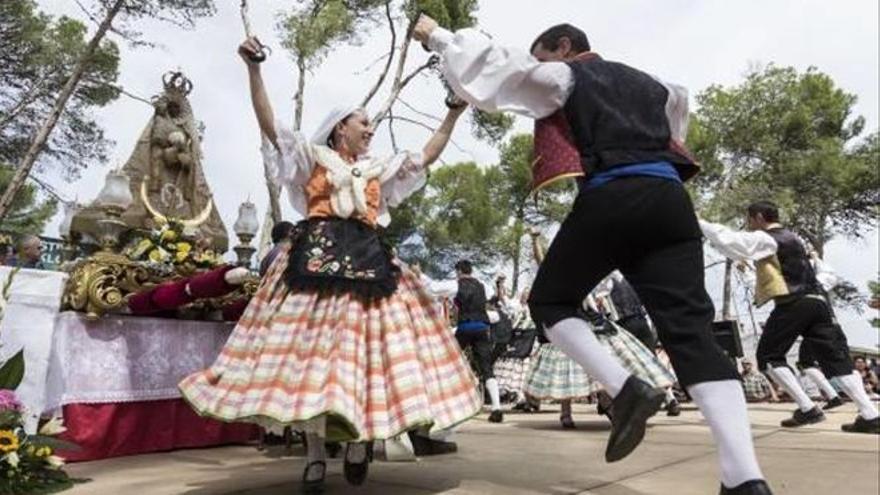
(281, 231)
(549, 39)
(465, 267)
(767, 209)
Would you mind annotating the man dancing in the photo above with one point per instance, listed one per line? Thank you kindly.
(632, 213)
(801, 309)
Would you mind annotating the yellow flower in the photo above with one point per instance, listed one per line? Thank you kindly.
(8, 441)
(181, 256)
(168, 236)
(184, 246)
(44, 452)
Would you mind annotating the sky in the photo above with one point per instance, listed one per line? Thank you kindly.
(692, 43)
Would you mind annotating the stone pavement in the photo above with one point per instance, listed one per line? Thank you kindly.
(527, 454)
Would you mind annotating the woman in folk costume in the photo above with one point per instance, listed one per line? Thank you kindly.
(341, 340)
(555, 376)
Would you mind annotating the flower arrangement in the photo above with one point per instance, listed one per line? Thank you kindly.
(168, 246)
(28, 463)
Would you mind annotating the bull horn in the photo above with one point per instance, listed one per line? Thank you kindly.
(158, 217)
(201, 218)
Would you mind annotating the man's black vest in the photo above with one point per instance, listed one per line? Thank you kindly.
(617, 116)
(471, 300)
(798, 272)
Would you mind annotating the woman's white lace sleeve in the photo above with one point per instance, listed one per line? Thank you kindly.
(290, 164)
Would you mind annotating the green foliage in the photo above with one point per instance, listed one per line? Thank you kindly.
(37, 55)
(788, 137)
(313, 28)
(482, 213)
(12, 372)
(28, 214)
(490, 127)
(458, 215)
(874, 288)
(451, 14)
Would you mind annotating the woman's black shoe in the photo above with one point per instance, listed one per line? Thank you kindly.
(567, 422)
(753, 487)
(356, 472)
(314, 486)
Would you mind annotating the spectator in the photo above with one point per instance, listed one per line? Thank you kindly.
(869, 378)
(280, 232)
(5, 249)
(874, 367)
(756, 386)
(28, 253)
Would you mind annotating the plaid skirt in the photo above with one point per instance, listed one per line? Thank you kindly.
(511, 372)
(368, 370)
(555, 376)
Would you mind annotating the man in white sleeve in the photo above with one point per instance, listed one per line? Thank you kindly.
(624, 130)
(785, 275)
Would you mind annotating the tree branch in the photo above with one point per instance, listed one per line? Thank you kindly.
(419, 112)
(384, 73)
(391, 132)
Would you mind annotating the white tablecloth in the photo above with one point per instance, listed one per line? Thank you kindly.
(29, 322)
(115, 359)
(127, 358)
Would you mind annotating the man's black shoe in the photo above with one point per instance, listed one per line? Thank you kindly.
(424, 446)
(673, 408)
(800, 418)
(753, 487)
(862, 425)
(636, 402)
(831, 404)
(496, 416)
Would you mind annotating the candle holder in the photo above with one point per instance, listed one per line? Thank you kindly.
(245, 229)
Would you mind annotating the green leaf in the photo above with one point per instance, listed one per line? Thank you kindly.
(53, 443)
(12, 372)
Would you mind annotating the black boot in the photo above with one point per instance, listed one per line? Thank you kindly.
(636, 402)
(800, 418)
(862, 425)
(356, 472)
(753, 487)
(673, 408)
(314, 486)
(496, 416)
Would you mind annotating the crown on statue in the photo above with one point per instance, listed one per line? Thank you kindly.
(175, 81)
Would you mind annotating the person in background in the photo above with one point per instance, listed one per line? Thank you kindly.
(28, 253)
(869, 378)
(473, 331)
(280, 232)
(755, 385)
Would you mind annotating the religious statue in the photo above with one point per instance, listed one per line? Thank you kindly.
(165, 172)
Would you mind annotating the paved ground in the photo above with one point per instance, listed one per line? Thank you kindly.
(527, 454)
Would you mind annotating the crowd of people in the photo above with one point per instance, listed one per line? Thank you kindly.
(346, 343)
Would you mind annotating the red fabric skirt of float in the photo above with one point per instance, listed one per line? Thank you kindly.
(113, 430)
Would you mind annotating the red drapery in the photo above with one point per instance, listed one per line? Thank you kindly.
(112, 430)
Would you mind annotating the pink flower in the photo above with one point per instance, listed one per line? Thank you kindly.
(8, 401)
(314, 265)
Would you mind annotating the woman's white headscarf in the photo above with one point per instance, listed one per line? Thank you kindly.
(336, 115)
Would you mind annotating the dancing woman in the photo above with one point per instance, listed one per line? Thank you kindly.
(342, 340)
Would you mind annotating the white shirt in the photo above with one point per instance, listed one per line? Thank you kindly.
(738, 245)
(502, 79)
(494, 78)
(292, 164)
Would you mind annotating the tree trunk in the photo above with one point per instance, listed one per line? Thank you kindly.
(27, 162)
(300, 94)
(727, 296)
